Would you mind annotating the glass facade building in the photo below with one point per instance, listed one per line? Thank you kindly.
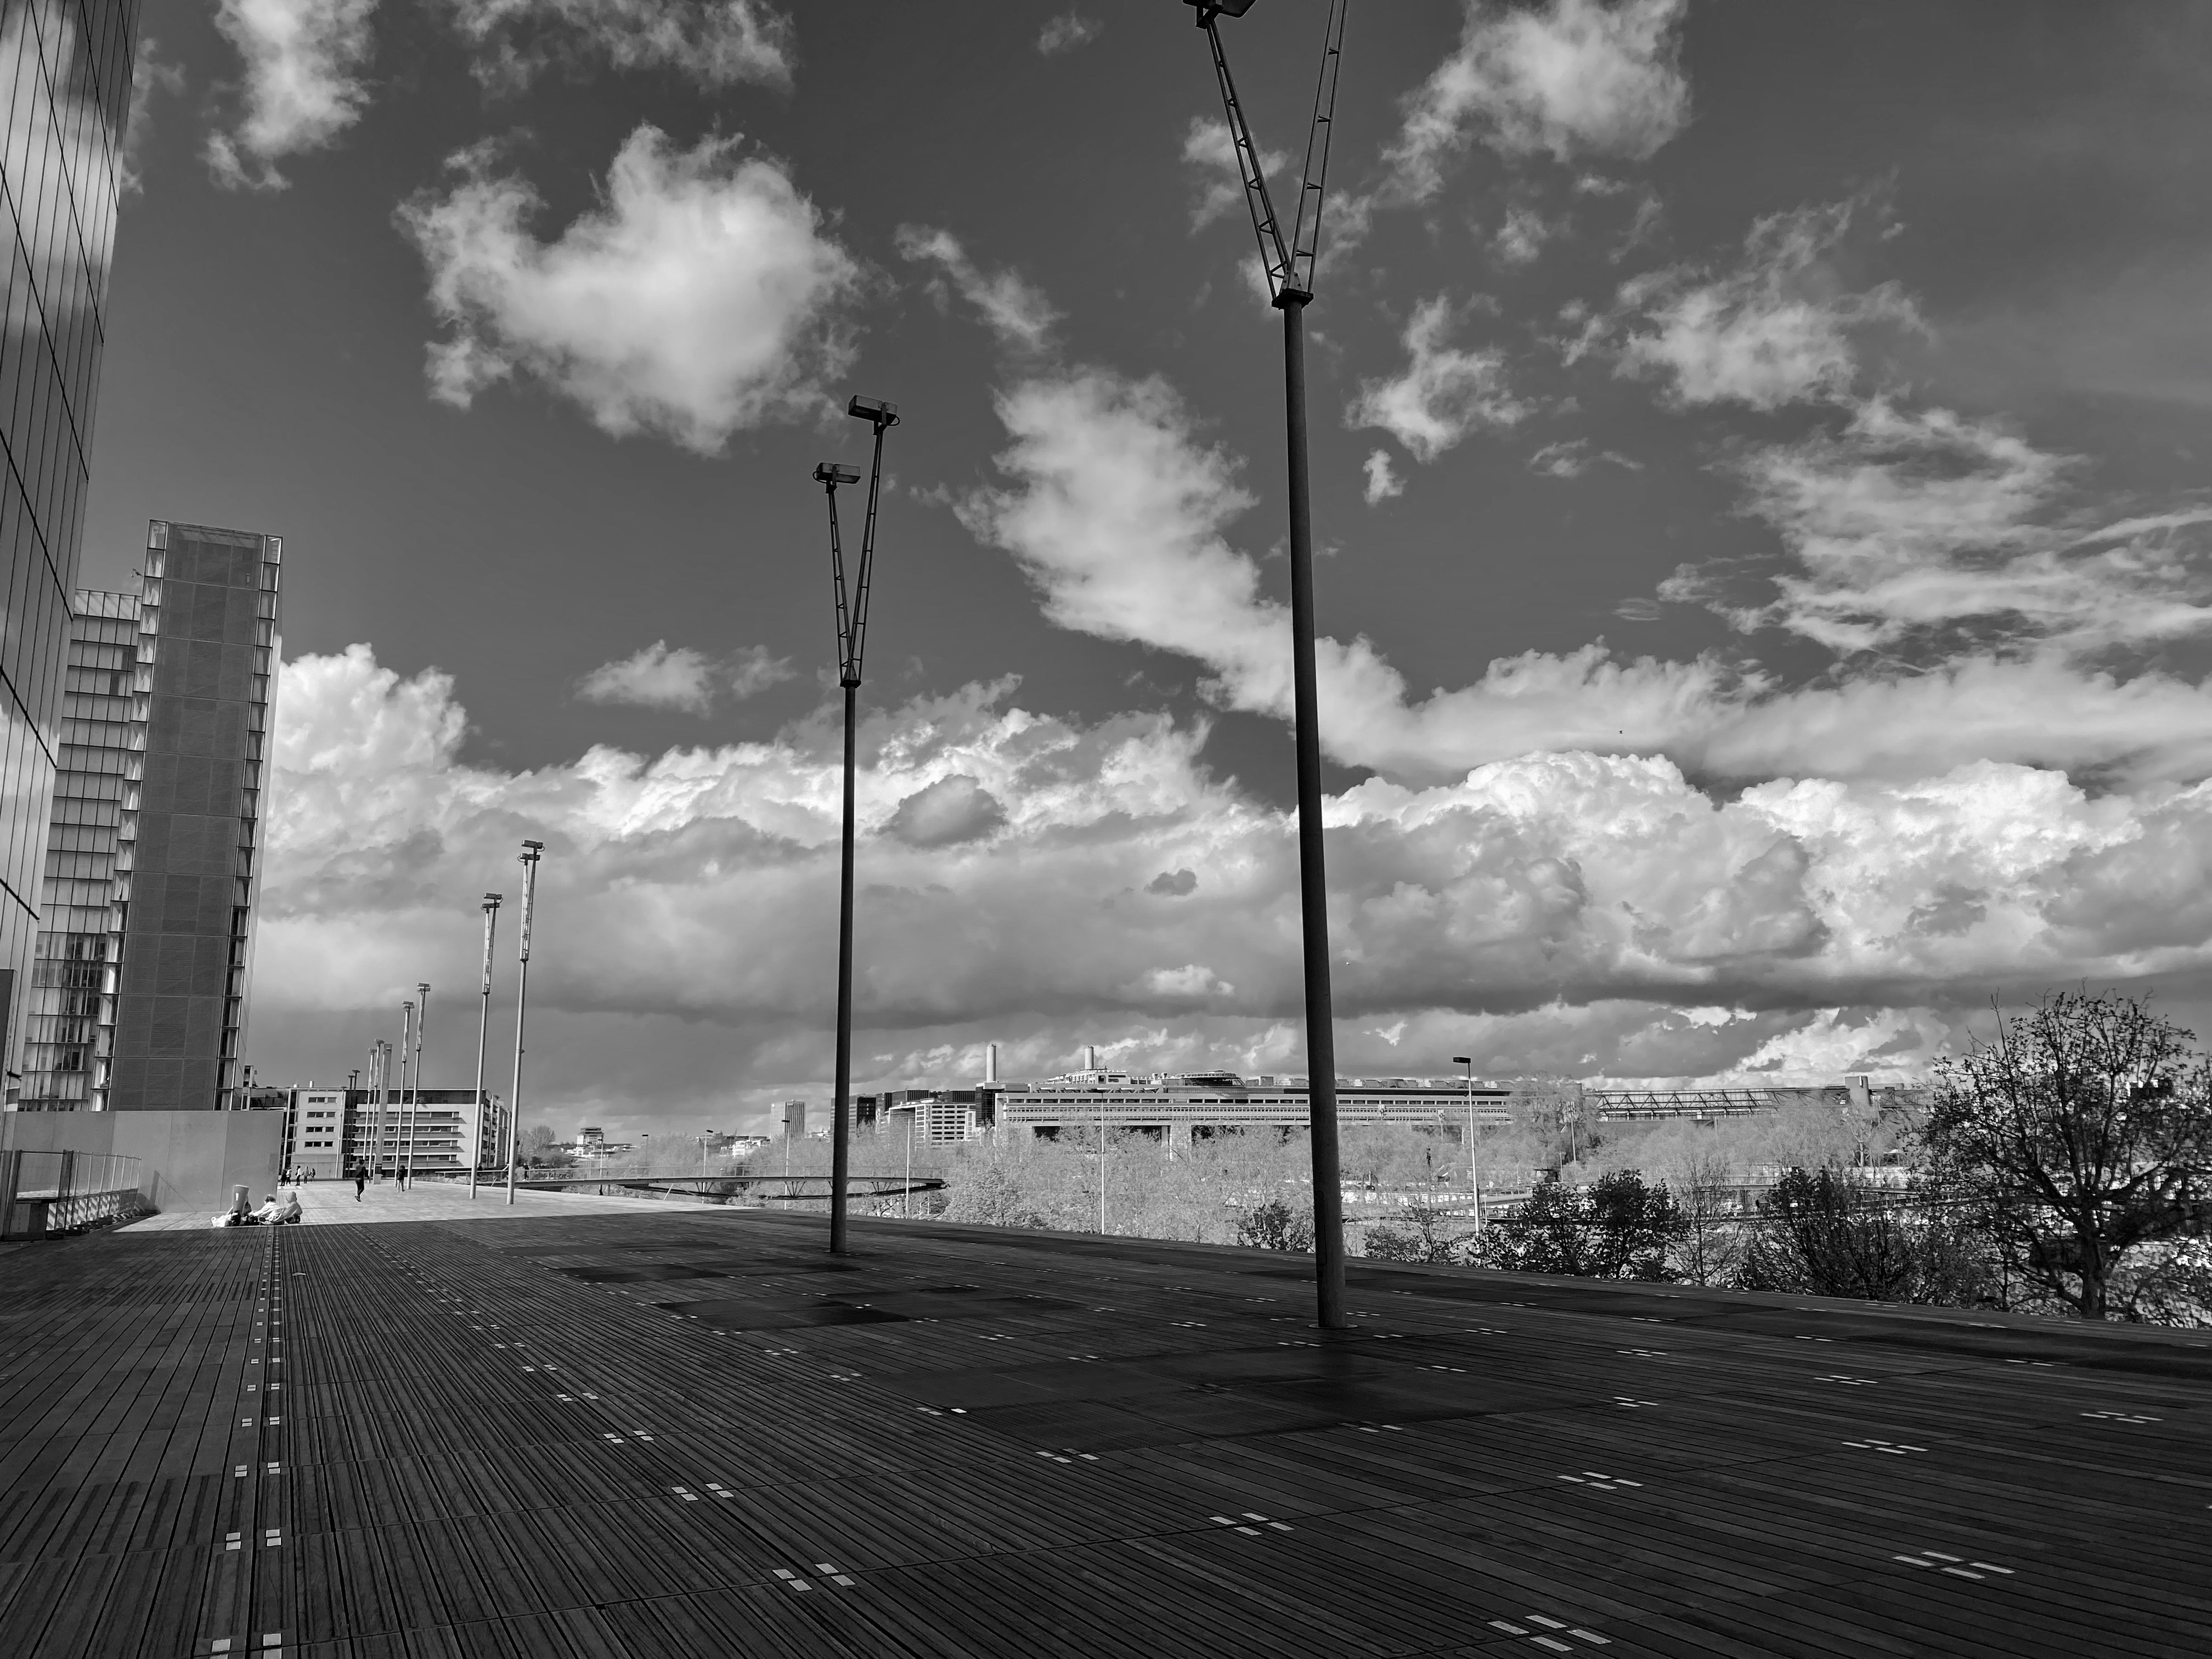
(188, 843)
(62, 1013)
(64, 95)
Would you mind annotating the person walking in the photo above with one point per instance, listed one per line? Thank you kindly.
(360, 1183)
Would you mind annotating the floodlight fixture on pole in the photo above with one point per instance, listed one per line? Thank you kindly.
(852, 642)
(1473, 1178)
(491, 903)
(1290, 266)
(531, 850)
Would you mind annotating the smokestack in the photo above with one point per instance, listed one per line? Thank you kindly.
(991, 1065)
(1091, 1058)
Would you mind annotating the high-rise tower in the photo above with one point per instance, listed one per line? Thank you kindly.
(65, 86)
(188, 847)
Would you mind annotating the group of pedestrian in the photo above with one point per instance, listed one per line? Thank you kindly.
(274, 1211)
(362, 1177)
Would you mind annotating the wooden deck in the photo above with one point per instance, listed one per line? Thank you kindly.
(669, 1430)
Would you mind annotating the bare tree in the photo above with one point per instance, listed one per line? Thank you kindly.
(2080, 1134)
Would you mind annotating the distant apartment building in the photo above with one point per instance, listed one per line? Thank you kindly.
(154, 863)
(331, 1133)
(66, 64)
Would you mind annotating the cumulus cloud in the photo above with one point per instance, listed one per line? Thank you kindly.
(306, 63)
(1118, 511)
(952, 811)
(717, 44)
(702, 296)
(1571, 79)
(1015, 310)
(1573, 912)
(1777, 328)
(1067, 33)
(1444, 393)
(1383, 479)
(681, 679)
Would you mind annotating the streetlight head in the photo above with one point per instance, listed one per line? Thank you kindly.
(1462, 1060)
(493, 901)
(828, 472)
(1219, 8)
(535, 846)
(875, 409)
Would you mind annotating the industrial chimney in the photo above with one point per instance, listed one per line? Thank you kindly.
(990, 1066)
(1091, 1058)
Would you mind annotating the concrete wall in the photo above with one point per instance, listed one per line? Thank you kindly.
(186, 1160)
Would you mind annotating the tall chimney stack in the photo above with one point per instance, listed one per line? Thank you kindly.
(991, 1065)
(1091, 1057)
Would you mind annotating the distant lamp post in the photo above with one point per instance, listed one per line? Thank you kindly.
(491, 903)
(1473, 1176)
(406, 1049)
(1289, 267)
(532, 850)
(852, 641)
(413, 1119)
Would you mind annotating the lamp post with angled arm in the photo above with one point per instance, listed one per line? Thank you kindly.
(491, 903)
(1473, 1179)
(415, 1116)
(1289, 267)
(852, 640)
(531, 850)
(406, 1047)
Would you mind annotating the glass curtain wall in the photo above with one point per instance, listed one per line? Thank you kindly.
(65, 95)
(61, 1012)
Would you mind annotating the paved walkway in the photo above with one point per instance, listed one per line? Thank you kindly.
(664, 1431)
(327, 1201)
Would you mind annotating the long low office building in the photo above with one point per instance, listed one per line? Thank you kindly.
(1207, 1101)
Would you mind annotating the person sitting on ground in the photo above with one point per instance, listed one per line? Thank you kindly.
(287, 1212)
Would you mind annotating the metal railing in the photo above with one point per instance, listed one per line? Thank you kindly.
(46, 1192)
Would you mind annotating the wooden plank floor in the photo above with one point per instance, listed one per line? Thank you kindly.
(672, 1431)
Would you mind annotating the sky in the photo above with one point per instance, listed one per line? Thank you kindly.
(1757, 483)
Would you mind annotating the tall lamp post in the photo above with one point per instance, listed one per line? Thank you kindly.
(531, 850)
(406, 1047)
(415, 1113)
(852, 640)
(491, 903)
(1473, 1179)
(1291, 284)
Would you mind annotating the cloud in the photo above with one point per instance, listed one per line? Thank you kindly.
(1443, 394)
(1522, 237)
(1572, 79)
(1015, 310)
(1383, 479)
(680, 678)
(1778, 328)
(716, 44)
(1919, 529)
(149, 76)
(1572, 912)
(1208, 148)
(305, 64)
(1117, 511)
(952, 811)
(701, 297)
(1067, 33)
